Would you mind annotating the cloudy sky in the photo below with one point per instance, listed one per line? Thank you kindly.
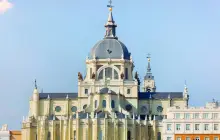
(50, 40)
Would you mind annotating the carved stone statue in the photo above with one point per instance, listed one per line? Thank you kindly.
(93, 75)
(80, 76)
(137, 78)
(122, 75)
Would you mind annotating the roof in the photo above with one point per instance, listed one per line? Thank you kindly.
(159, 95)
(109, 48)
(58, 95)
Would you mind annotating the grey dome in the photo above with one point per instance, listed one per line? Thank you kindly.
(109, 48)
(106, 91)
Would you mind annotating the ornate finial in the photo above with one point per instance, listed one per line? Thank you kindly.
(35, 84)
(67, 96)
(185, 84)
(48, 96)
(148, 57)
(110, 5)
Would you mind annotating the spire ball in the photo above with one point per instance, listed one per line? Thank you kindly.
(110, 9)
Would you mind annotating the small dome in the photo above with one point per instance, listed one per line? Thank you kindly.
(109, 48)
(106, 91)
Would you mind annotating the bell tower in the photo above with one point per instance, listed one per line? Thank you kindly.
(149, 83)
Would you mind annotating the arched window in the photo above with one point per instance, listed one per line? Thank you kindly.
(95, 103)
(129, 135)
(100, 75)
(113, 104)
(104, 103)
(115, 75)
(108, 73)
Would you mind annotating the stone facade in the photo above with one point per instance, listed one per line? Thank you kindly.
(109, 104)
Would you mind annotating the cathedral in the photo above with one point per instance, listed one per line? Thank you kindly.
(110, 104)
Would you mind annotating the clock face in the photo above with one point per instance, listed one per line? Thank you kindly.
(159, 109)
(74, 109)
(57, 108)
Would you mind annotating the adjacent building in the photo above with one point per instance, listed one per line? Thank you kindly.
(15, 135)
(192, 123)
(4, 133)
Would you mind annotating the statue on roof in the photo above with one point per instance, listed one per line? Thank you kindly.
(80, 76)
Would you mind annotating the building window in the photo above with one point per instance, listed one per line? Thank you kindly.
(109, 73)
(128, 107)
(159, 109)
(129, 135)
(197, 138)
(187, 138)
(196, 126)
(116, 75)
(90, 73)
(159, 136)
(48, 136)
(178, 138)
(104, 103)
(128, 91)
(113, 104)
(74, 109)
(57, 108)
(177, 115)
(169, 138)
(100, 135)
(85, 106)
(74, 135)
(168, 127)
(96, 103)
(215, 126)
(86, 91)
(100, 75)
(196, 116)
(187, 126)
(205, 116)
(126, 73)
(215, 138)
(215, 115)
(206, 126)
(177, 126)
(206, 138)
(187, 116)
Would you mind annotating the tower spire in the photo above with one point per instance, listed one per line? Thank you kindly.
(35, 84)
(148, 66)
(149, 83)
(110, 25)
